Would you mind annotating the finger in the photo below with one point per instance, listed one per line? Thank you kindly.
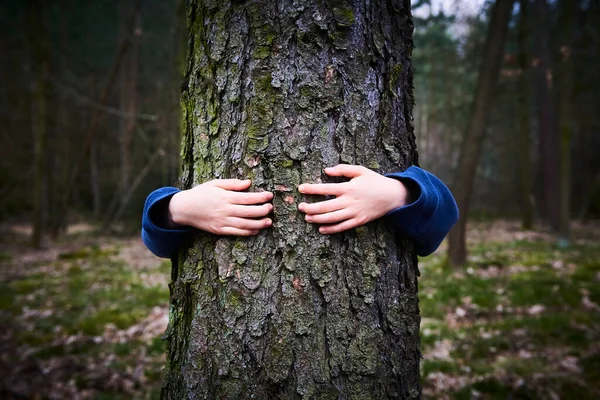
(329, 218)
(232, 184)
(322, 206)
(349, 171)
(337, 228)
(228, 230)
(326, 189)
(250, 197)
(246, 211)
(249, 224)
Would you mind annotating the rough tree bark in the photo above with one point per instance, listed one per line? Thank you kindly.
(473, 141)
(276, 91)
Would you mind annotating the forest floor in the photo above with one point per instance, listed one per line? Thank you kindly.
(83, 318)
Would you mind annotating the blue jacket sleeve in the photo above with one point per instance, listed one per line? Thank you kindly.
(162, 241)
(428, 219)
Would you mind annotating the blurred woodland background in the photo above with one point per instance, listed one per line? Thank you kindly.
(90, 124)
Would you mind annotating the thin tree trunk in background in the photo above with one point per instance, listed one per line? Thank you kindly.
(39, 66)
(525, 177)
(587, 199)
(139, 178)
(276, 91)
(94, 179)
(128, 99)
(588, 136)
(442, 147)
(548, 138)
(39, 154)
(473, 141)
(128, 90)
(568, 9)
(62, 220)
(430, 118)
(62, 143)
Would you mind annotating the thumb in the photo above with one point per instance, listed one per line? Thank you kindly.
(347, 170)
(232, 184)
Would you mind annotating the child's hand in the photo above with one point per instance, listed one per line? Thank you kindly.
(367, 196)
(219, 207)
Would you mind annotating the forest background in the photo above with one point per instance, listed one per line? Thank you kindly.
(90, 124)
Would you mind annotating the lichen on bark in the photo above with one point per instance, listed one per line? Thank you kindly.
(276, 91)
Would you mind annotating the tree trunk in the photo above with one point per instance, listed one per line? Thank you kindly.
(568, 9)
(94, 179)
(548, 137)
(473, 141)
(57, 222)
(276, 91)
(39, 61)
(525, 181)
(128, 89)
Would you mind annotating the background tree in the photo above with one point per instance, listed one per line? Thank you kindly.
(548, 134)
(39, 58)
(568, 11)
(276, 92)
(471, 148)
(524, 150)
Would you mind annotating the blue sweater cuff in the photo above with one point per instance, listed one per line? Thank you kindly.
(429, 218)
(161, 240)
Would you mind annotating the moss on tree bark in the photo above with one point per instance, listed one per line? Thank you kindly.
(276, 91)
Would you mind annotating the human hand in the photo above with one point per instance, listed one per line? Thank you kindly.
(220, 207)
(367, 196)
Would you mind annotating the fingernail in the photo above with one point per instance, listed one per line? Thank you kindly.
(301, 188)
(268, 222)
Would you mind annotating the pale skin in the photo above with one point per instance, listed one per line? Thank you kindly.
(222, 206)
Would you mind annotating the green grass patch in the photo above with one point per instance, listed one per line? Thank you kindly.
(157, 346)
(87, 299)
(5, 257)
(66, 313)
(7, 297)
(499, 338)
(91, 252)
(446, 366)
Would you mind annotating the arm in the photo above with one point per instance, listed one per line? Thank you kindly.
(218, 206)
(429, 218)
(415, 201)
(158, 234)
